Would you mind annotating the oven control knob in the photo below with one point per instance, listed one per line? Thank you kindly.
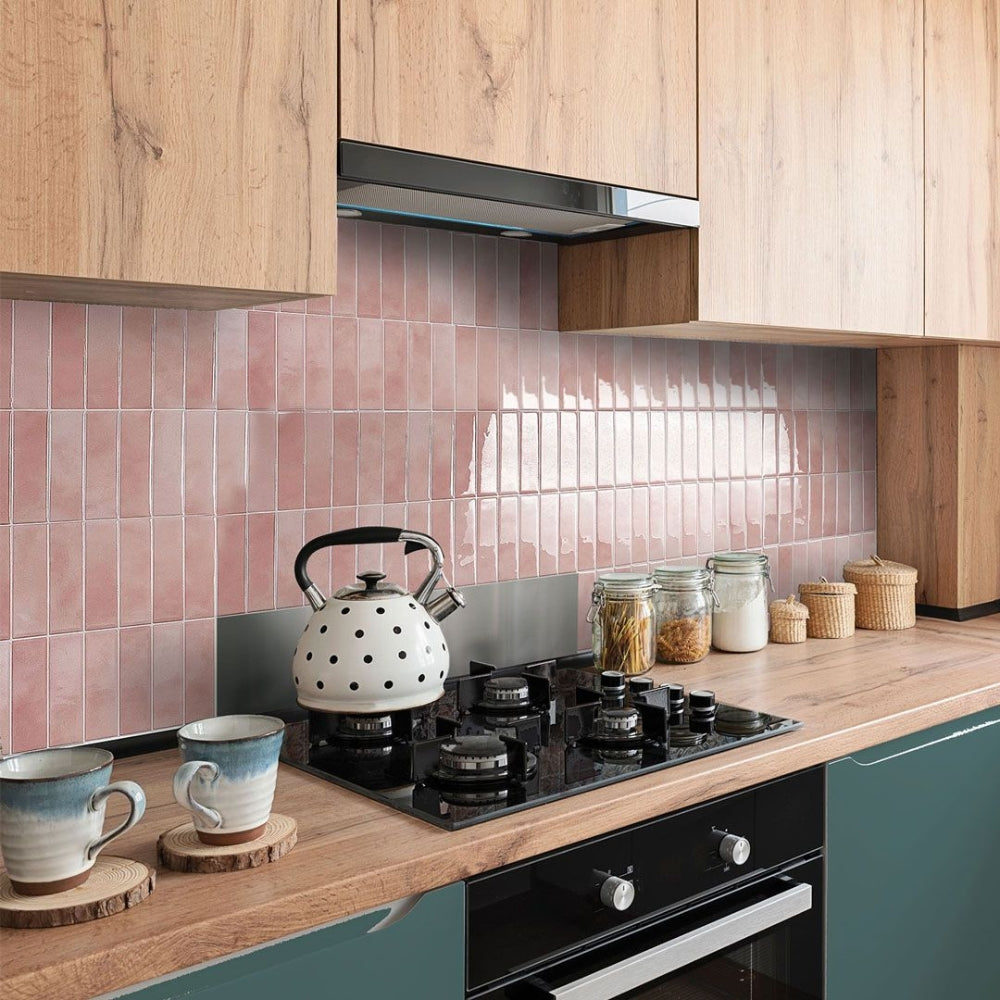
(734, 850)
(617, 893)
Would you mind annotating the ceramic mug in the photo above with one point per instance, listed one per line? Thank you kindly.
(52, 812)
(228, 775)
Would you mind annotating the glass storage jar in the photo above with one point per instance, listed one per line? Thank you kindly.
(740, 620)
(683, 602)
(621, 615)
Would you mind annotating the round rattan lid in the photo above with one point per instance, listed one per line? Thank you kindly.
(876, 570)
(830, 588)
(789, 609)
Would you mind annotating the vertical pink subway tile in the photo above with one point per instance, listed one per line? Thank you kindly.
(718, 425)
(6, 350)
(640, 525)
(605, 552)
(674, 522)
(345, 364)
(438, 522)
(762, 513)
(100, 497)
(829, 362)
(395, 364)
(487, 542)
(842, 380)
(657, 446)
(289, 536)
(369, 284)
(801, 376)
(168, 569)
(317, 522)
(5, 586)
(690, 363)
(568, 450)
(640, 446)
(689, 445)
(101, 684)
(69, 335)
(137, 358)
(812, 362)
(443, 366)
(640, 374)
(199, 567)
(29, 470)
(168, 674)
(262, 362)
(675, 445)
(66, 456)
(168, 358)
(730, 376)
(420, 353)
(784, 378)
(291, 461)
(199, 669)
(345, 302)
(753, 391)
(199, 360)
(487, 447)
(528, 369)
(829, 423)
(785, 443)
(371, 368)
(508, 363)
(262, 465)
(290, 345)
(510, 459)
(623, 376)
(231, 359)
(508, 284)
(30, 368)
(486, 281)
(199, 462)
(464, 279)
(528, 534)
(134, 470)
(857, 418)
(135, 541)
(706, 517)
(530, 286)
(586, 544)
(588, 449)
(442, 455)
(816, 427)
(394, 458)
(605, 372)
(439, 276)
(736, 518)
(786, 510)
(868, 494)
(800, 507)
(714, 364)
(549, 534)
(507, 538)
(370, 458)
(29, 580)
(814, 525)
(464, 469)
(843, 437)
(261, 563)
(232, 554)
(706, 420)
(487, 349)
(464, 544)
(623, 529)
(466, 373)
(319, 363)
(65, 576)
(569, 371)
(769, 448)
(6, 448)
(622, 433)
(416, 273)
(689, 519)
(529, 447)
(28, 689)
(769, 376)
(318, 459)
(167, 465)
(657, 384)
(674, 373)
(393, 273)
(548, 286)
(606, 451)
(65, 694)
(548, 452)
(657, 540)
(829, 521)
(135, 679)
(586, 371)
(230, 462)
(346, 431)
(868, 432)
(753, 444)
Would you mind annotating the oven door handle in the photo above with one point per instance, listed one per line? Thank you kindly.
(638, 970)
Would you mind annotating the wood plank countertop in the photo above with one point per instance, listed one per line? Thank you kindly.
(354, 854)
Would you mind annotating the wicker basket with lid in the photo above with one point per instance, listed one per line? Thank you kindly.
(886, 593)
(831, 608)
(788, 620)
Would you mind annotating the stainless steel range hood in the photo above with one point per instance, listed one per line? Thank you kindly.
(394, 185)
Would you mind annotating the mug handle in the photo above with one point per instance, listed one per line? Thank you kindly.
(182, 790)
(137, 800)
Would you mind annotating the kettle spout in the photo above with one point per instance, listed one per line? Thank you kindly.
(447, 601)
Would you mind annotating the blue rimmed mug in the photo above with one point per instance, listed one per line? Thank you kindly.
(228, 776)
(52, 806)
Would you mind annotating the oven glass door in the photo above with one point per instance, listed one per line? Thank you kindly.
(764, 942)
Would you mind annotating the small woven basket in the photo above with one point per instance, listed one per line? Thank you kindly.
(831, 608)
(886, 593)
(788, 620)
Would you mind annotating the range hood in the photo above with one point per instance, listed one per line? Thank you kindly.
(394, 185)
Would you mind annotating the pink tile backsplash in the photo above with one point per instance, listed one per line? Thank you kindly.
(165, 465)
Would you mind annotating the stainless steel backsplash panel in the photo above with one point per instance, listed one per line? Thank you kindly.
(502, 623)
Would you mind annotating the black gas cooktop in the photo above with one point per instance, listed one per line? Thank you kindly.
(504, 739)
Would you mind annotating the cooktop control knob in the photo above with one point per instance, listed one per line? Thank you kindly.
(734, 850)
(617, 893)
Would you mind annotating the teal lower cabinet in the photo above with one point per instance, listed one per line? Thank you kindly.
(913, 876)
(417, 953)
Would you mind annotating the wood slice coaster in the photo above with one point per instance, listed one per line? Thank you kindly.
(181, 850)
(115, 884)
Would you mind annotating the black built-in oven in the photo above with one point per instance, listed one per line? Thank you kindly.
(723, 900)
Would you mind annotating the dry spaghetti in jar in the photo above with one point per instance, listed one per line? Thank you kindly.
(622, 618)
(683, 604)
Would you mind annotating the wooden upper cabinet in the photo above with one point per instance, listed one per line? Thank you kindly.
(601, 90)
(963, 168)
(168, 153)
(811, 164)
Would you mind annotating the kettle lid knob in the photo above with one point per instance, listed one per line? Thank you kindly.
(371, 579)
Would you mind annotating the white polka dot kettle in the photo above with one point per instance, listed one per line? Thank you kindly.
(373, 647)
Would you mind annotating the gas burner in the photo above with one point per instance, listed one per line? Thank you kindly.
(364, 727)
(739, 722)
(480, 761)
(682, 736)
(618, 723)
(505, 694)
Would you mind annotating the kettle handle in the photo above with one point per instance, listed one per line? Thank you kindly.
(368, 535)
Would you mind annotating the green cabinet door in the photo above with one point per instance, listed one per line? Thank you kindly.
(913, 883)
(418, 954)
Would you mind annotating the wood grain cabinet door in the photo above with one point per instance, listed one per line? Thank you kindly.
(602, 90)
(811, 164)
(151, 151)
(963, 168)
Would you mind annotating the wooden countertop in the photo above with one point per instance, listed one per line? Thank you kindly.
(354, 854)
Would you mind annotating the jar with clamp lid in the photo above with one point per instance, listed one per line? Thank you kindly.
(622, 618)
(740, 621)
(683, 601)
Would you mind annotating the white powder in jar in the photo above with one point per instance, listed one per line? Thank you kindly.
(740, 624)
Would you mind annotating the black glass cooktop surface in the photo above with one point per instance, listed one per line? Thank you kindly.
(505, 739)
